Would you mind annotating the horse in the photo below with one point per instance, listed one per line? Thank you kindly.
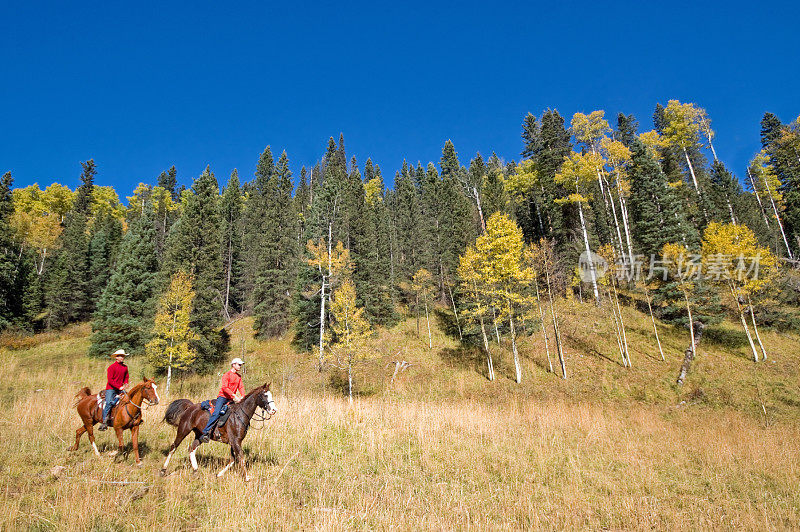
(127, 414)
(190, 417)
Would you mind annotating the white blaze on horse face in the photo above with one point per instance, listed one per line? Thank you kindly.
(193, 459)
(270, 404)
(158, 399)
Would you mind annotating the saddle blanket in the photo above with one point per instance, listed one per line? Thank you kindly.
(101, 400)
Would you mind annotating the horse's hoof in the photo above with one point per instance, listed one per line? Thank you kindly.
(139, 463)
(163, 473)
(113, 453)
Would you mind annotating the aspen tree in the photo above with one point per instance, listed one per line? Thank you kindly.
(764, 175)
(350, 330)
(577, 171)
(732, 255)
(473, 277)
(676, 256)
(170, 346)
(501, 248)
(329, 263)
(542, 257)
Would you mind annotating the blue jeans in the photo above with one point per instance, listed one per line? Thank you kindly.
(221, 402)
(111, 400)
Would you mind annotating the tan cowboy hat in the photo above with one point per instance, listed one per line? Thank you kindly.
(119, 353)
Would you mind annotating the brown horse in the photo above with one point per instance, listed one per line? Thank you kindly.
(190, 417)
(126, 415)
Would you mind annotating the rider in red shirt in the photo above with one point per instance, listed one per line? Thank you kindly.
(117, 375)
(231, 389)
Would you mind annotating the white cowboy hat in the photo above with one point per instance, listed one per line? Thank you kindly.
(119, 353)
(237, 361)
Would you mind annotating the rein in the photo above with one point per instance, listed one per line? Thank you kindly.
(262, 418)
(131, 403)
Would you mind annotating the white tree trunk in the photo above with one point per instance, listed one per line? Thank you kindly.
(544, 325)
(350, 379)
(556, 331)
(517, 368)
(755, 329)
(778, 219)
(322, 324)
(622, 325)
(489, 363)
(592, 271)
(691, 171)
(758, 197)
(735, 295)
(653, 319)
(428, 320)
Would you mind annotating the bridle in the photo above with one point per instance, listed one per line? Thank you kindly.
(131, 403)
(264, 416)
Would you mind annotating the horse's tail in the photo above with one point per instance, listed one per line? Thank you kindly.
(83, 392)
(175, 410)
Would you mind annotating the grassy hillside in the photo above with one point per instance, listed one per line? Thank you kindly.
(441, 447)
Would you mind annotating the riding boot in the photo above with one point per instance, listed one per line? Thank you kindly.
(102, 426)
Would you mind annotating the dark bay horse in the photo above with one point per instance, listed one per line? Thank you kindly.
(127, 414)
(189, 417)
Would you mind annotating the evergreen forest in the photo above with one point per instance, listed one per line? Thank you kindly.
(490, 249)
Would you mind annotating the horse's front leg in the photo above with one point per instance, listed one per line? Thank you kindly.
(228, 466)
(121, 447)
(135, 443)
(238, 455)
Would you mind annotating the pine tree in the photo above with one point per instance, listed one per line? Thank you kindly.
(781, 144)
(530, 136)
(10, 300)
(725, 194)
(656, 215)
(69, 290)
(404, 203)
(373, 253)
(103, 248)
(125, 310)
(276, 257)
(193, 246)
(169, 181)
(627, 125)
(231, 207)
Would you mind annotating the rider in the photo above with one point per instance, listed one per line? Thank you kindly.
(231, 389)
(117, 374)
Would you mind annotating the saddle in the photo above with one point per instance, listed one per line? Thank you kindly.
(226, 411)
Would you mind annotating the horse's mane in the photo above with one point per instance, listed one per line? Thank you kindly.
(136, 388)
(251, 392)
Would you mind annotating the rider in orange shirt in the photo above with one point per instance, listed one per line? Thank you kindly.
(231, 389)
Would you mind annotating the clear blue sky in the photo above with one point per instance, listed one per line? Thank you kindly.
(140, 86)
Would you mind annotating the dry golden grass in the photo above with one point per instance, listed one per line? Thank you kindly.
(440, 449)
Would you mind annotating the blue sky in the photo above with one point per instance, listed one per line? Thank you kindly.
(142, 86)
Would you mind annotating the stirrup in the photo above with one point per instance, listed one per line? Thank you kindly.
(102, 426)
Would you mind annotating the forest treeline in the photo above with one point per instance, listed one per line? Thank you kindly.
(493, 246)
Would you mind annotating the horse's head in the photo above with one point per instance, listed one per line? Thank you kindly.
(149, 392)
(265, 400)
